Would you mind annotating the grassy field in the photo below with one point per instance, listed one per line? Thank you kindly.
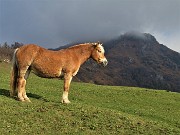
(94, 109)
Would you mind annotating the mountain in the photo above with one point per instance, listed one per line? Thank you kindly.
(135, 59)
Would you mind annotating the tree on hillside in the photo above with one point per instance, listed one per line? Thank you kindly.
(6, 51)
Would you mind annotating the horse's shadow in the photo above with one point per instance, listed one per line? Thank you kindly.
(5, 93)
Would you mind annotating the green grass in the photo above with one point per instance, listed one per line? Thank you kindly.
(94, 109)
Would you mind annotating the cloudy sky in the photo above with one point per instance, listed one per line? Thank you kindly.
(52, 23)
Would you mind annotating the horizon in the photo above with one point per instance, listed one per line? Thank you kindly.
(55, 23)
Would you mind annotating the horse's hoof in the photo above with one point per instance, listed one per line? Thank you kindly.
(28, 100)
(21, 99)
(65, 101)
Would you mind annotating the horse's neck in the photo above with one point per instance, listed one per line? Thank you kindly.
(83, 52)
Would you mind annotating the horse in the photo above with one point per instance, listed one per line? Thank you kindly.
(45, 63)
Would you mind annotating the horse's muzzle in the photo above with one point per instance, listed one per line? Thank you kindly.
(105, 62)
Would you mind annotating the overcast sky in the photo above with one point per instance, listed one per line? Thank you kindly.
(52, 23)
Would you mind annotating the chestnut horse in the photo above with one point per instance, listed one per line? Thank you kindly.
(51, 64)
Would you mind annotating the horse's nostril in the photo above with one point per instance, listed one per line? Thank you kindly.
(105, 63)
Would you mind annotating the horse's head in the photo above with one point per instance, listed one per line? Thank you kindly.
(98, 54)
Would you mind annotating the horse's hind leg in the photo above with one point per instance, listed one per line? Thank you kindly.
(21, 85)
(24, 91)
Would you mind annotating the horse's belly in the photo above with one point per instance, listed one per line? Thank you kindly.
(47, 72)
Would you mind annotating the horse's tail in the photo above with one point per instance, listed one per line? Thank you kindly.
(14, 75)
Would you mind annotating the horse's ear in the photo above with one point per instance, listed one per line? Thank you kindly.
(95, 44)
(99, 43)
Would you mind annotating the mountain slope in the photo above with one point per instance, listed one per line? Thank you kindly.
(136, 59)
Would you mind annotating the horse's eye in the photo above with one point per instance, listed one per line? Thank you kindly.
(99, 51)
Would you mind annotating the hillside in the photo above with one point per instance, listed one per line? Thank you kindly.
(136, 59)
(94, 109)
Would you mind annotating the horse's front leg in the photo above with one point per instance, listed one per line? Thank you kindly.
(67, 81)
